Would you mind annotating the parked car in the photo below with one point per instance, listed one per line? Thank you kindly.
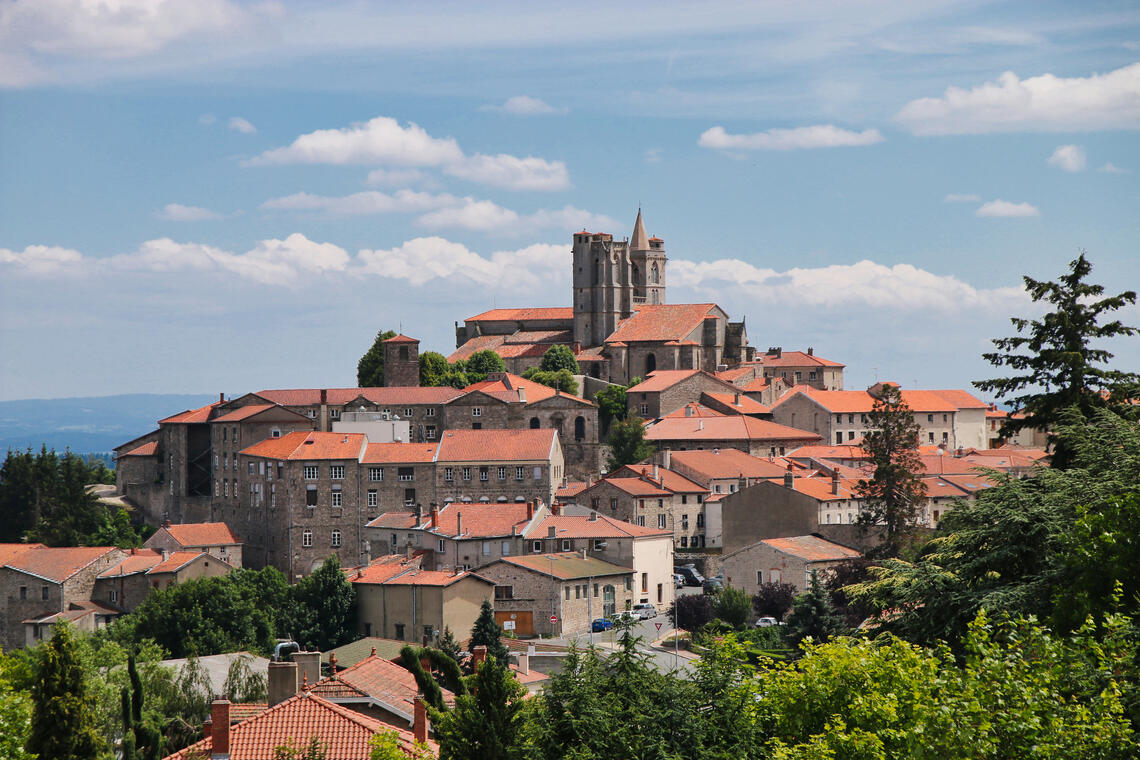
(712, 585)
(690, 574)
(678, 580)
(767, 622)
(645, 611)
(601, 624)
(625, 617)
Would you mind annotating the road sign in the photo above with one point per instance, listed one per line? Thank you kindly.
(553, 619)
(658, 625)
(508, 625)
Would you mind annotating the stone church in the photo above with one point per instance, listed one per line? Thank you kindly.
(620, 325)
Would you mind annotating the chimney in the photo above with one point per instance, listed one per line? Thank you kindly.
(688, 410)
(522, 395)
(666, 459)
(524, 663)
(789, 478)
(736, 399)
(835, 482)
(134, 550)
(308, 665)
(593, 516)
(332, 662)
(811, 351)
(556, 508)
(529, 511)
(420, 721)
(324, 396)
(165, 554)
(655, 477)
(220, 728)
(433, 520)
(166, 523)
(282, 681)
(324, 412)
(221, 397)
(701, 424)
(372, 655)
(478, 654)
(458, 524)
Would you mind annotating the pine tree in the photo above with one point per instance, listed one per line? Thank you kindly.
(813, 615)
(487, 723)
(488, 633)
(63, 715)
(449, 645)
(893, 498)
(1056, 364)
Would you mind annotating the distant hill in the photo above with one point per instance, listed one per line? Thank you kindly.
(87, 425)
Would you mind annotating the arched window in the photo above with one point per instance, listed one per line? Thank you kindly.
(557, 423)
(650, 363)
(636, 275)
(403, 353)
(580, 428)
(534, 423)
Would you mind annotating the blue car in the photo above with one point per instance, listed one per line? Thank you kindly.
(601, 624)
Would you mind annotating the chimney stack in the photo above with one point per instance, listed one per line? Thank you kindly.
(220, 727)
(701, 424)
(529, 511)
(593, 516)
(433, 520)
(666, 459)
(655, 477)
(478, 654)
(221, 397)
(522, 395)
(551, 532)
(835, 482)
(736, 399)
(688, 410)
(458, 524)
(420, 721)
(556, 508)
(811, 351)
(524, 663)
(308, 665)
(789, 477)
(282, 681)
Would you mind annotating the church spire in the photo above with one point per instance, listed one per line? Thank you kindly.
(639, 241)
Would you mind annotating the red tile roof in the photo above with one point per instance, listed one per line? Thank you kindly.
(310, 445)
(812, 548)
(662, 379)
(862, 401)
(582, 526)
(399, 453)
(727, 463)
(146, 450)
(380, 569)
(496, 445)
(396, 396)
(726, 428)
(745, 404)
(401, 339)
(383, 680)
(671, 481)
(10, 552)
(135, 563)
(400, 520)
(418, 577)
(202, 534)
(662, 322)
(506, 387)
(561, 313)
(58, 563)
(175, 561)
(820, 488)
(567, 565)
(480, 520)
(636, 487)
(243, 412)
(344, 734)
(829, 452)
(201, 414)
(796, 359)
(962, 399)
(693, 409)
(571, 489)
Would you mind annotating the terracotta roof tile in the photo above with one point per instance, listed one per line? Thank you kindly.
(399, 453)
(820, 488)
(582, 526)
(201, 414)
(381, 679)
(58, 563)
(744, 405)
(243, 412)
(862, 401)
(139, 562)
(146, 450)
(480, 519)
(796, 359)
(178, 560)
(636, 487)
(662, 322)
(662, 379)
(671, 481)
(727, 428)
(533, 314)
(571, 489)
(380, 569)
(401, 339)
(567, 565)
(202, 534)
(10, 552)
(509, 384)
(395, 396)
(310, 445)
(812, 548)
(693, 409)
(727, 463)
(398, 520)
(417, 577)
(829, 452)
(496, 445)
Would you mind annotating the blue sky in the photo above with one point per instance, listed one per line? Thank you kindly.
(224, 196)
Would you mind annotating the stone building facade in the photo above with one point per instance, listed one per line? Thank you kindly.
(783, 560)
(653, 497)
(666, 391)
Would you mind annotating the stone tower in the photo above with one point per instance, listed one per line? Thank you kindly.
(647, 259)
(401, 362)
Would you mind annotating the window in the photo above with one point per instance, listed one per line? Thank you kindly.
(684, 522)
(759, 577)
(577, 591)
(567, 589)
(660, 521)
(429, 412)
(400, 631)
(252, 471)
(405, 474)
(409, 497)
(307, 538)
(502, 473)
(310, 472)
(235, 434)
(373, 498)
(504, 592)
(408, 411)
(485, 549)
(448, 474)
(811, 375)
(716, 488)
(684, 541)
(930, 418)
(275, 433)
(641, 521)
(311, 496)
(226, 487)
(931, 436)
(505, 549)
(114, 596)
(536, 547)
(660, 594)
(538, 473)
(660, 503)
(467, 473)
(23, 592)
(684, 499)
(518, 473)
(644, 409)
(429, 432)
(644, 582)
(850, 435)
(217, 487)
(337, 499)
(599, 544)
(701, 520)
(629, 583)
(613, 503)
(565, 544)
(476, 411)
(334, 414)
(336, 472)
(376, 474)
(944, 419)
(225, 434)
(483, 474)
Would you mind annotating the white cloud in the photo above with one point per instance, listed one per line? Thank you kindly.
(383, 141)
(962, 198)
(207, 119)
(270, 262)
(425, 259)
(818, 136)
(238, 124)
(511, 172)
(486, 216)
(1000, 208)
(41, 259)
(368, 202)
(523, 105)
(1045, 103)
(1070, 158)
(176, 212)
(840, 286)
(395, 177)
(1111, 168)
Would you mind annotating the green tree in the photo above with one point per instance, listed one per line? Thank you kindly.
(894, 496)
(773, 599)
(370, 368)
(142, 740)
(560, 379)
(449, 645)
(813, 615)
(488, 633)
(314, 750)
(627, 444)
(487, 723)
(15, 710)
(733, 606)
(434, 369)
(243, 684)
(559, 357)
(1057, 362)
(386, 745)
(482, 363)
(690, 612)
(613, 402)
(325, 607)
(64, 723)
